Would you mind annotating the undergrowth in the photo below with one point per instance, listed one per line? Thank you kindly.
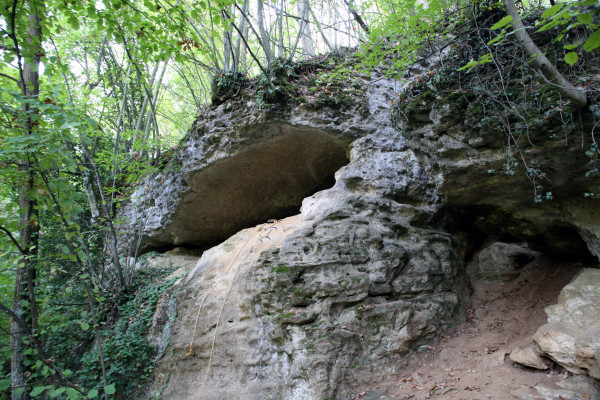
(127, 353)
(123, 322)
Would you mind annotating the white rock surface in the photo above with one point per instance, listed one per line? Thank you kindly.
(572, 335)
(528, 357)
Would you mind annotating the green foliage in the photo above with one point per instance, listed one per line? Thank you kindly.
(124, 319)
(226, 86)
(504, 100)
(127, 353)
(406, 27)
(564, 19)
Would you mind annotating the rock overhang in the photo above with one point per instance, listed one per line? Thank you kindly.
(267, 179)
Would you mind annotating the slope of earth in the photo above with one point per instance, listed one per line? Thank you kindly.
(472, 360)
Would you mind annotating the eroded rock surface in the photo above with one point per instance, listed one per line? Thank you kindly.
(572, 335)
(340, 298)
(571, 388)
(226, 184)
(528, 357)
(488, 191)
(340, 295)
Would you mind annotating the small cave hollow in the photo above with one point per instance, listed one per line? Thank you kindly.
(266, 180)
(475, 227)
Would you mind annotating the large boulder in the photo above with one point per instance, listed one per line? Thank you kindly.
(241, 164)
(502, 261)
(572, 335)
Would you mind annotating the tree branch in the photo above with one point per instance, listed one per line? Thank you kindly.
(23, 251)
(576, 95)
(11, 77)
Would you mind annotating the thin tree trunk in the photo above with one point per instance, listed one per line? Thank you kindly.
(120, 125)
(227, 53)
(280, 48)
(357, 16)
(307, 44)
(90, 298)
(138, 125)
(267, 71)
(29, 236)
(264, 37)
(576, 95)
(320, 29)
(240, 52)
(152, 115)
(89, 192)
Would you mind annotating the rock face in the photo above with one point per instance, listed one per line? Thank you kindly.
(314, 305)
(341, 295)
(571, 388)
(572, 335)
(489, 193)
(229, 180)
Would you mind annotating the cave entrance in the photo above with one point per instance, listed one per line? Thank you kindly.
(475, 227)
(266, 180)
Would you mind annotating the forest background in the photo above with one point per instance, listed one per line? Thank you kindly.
(96, 94)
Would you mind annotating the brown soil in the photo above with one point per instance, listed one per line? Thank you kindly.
(472, 361)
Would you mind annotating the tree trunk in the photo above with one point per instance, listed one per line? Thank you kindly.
(307, 43)
(24, 290)
(357, 16)
(152, 115)
(576, 95)
(280, 48)
(240, 52)
(320, 29)
(264, 36)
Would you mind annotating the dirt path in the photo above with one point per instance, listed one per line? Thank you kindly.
(471, 362)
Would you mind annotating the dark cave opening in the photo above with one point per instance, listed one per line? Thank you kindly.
(475, 227)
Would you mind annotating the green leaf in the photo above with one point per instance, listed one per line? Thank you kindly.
(57, 392)
(74, 22)
(70, 124)
(571, 46)
(592, 42)
(571, 58)
(4, 384)
(72, 394)
(551, 11)
(585, 19)
(92, 394)
(70, 164)
(550, 25)
(110, 389)
(39, 390)
(496, 39)
(85, 326)
(502, 23)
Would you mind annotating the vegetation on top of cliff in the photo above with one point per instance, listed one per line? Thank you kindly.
(503, 96)
(326, 80)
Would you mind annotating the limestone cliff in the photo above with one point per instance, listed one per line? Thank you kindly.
(373, 266)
